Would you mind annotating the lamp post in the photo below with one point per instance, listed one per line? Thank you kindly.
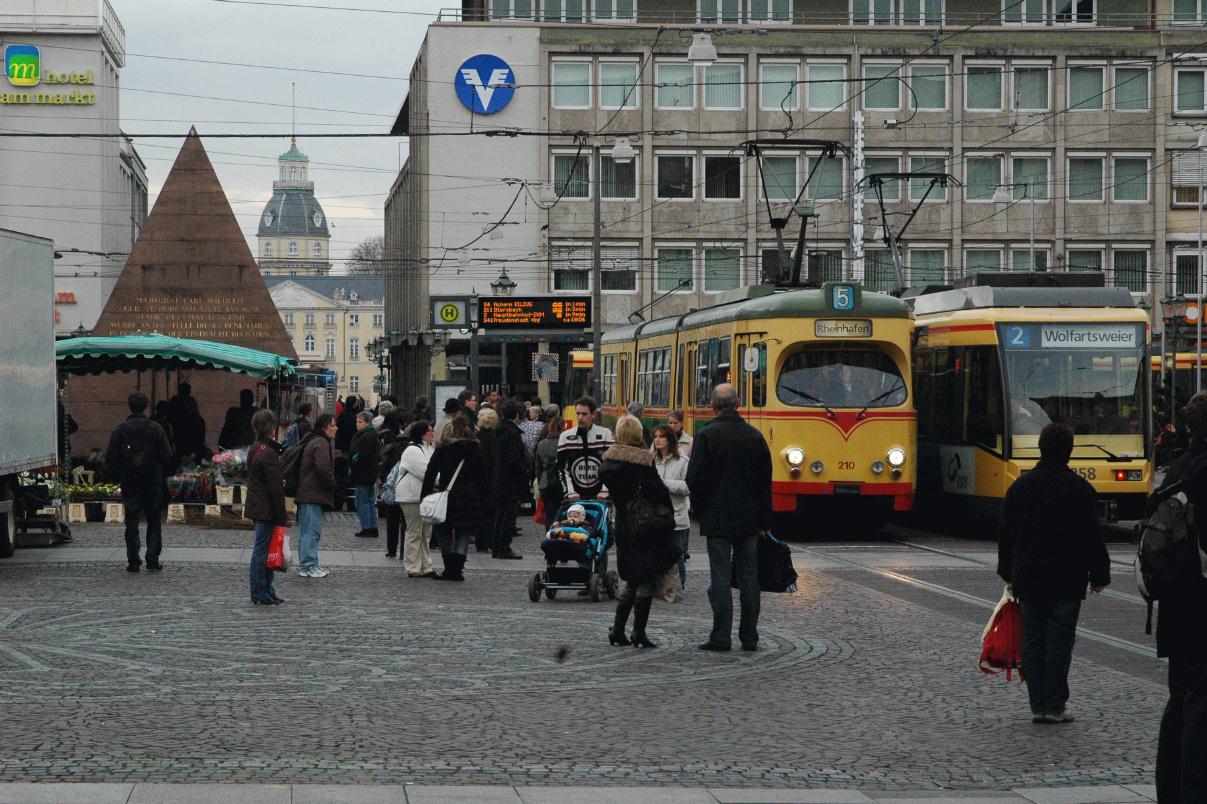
(1201, 147)
(503, 286)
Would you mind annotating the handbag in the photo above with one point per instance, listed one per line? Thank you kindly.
(433, 509)
(776, 573)
(669, 586)
(645, 516)
(1002, 639)
(278, 550)
(539, 516)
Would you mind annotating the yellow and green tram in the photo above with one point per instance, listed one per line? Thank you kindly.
(994, 365)
(823, 374)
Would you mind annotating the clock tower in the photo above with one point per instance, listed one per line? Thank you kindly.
(293, 238)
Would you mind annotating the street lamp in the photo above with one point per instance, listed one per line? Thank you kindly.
(702, 51)
(504, 285)
(1201, 147)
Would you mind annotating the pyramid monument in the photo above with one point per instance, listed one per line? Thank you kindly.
(190, 275)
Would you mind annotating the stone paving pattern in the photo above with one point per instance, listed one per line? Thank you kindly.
(368, 677)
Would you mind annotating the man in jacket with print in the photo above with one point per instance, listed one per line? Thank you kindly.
(580, 453)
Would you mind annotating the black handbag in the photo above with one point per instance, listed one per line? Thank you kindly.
(776, 573)
(645, 516)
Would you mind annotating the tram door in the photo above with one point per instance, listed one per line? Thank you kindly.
(623, 386)
(746, 355)
(687, 385)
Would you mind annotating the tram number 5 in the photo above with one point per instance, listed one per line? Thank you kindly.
(1016, 338)
(1089, 473)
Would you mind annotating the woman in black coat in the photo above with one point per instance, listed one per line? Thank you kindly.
(467, 502)
(627, 471)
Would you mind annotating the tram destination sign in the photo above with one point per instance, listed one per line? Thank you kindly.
(842, 328)
(1071, 336)
(535, 312)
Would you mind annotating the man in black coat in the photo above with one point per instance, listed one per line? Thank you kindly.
(729, 476)
(1182, 745)
(510, 481)
(138, 455)
(1049, 546)
(236, 429)
(364, 458)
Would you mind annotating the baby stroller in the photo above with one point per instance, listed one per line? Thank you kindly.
(578, 564)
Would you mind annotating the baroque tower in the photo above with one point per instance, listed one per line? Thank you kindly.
(293, 238)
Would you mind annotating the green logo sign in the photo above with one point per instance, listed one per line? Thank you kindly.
(449, 313)
(22, 65)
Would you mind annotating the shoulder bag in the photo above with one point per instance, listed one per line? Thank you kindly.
(433, 509)
(647, 517)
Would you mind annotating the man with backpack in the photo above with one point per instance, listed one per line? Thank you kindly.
(1173, 574)
(138, 455)
(1049, 546)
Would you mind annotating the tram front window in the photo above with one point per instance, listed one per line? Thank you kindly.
(1054, 375)
(832, 378)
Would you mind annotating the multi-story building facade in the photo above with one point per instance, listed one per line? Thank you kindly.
(293, 238)
(1069, 129)
(331, 321)
(62, 65)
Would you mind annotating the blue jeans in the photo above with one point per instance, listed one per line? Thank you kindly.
(310, 526)
(261, 576)
(453, 540)
(1048, 632)
(722, 552)
(366, 507)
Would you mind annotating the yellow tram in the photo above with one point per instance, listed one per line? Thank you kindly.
(994, 365)
(823, 374)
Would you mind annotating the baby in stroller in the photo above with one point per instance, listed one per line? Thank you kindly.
(575, 527)
(576, 553)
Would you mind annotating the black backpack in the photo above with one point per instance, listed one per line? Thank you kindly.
(1169, 560)
(291, 466)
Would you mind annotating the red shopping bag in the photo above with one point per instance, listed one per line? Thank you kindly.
(1002, 640)
(276, 549)
(539, 516)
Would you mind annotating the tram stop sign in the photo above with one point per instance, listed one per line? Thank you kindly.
(450, 313)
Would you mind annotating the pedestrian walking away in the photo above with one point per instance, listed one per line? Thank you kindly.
(729, 476)
(1050, 548)
(392, 444)
(580, 453)
(316, 493)
(137, 457)
(1182, 744)
(451, 408)
(672, 468)
(510, 479)
(488, 434)
(301, 426)
(643, 552)
(364, 459)
(407, 479)
(458, 455)
(548, 478)
(265, 503)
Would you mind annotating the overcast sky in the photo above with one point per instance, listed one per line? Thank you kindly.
(351, 176)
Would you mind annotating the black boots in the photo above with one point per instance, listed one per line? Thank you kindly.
(454, 563)
(616, 632)
(641, 615)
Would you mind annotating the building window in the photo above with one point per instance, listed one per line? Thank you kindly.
(722, 177)
(729, 11)
(983, 87)
(872, 12)
(1189, 12)
(983, 175)
(1131, 269)
(673, 268)
(826, 183)
(1020, 259)
(378, 320)
(722, 269)
(331, 348)
(308, 343)
(1085, 178)
(318, 249)
(675, 177)
(618, 268)
(354, 348)
(881, 87)
(618, 85)
(1188, 91)
(890, 189)
(293, 248)
(1086, 89)
(564, 10)
(1073, 12)
(825, 265)
(1027, 12)
(778, 84)
(268, 249)
(977, 260)
(1029, 178)
(1130, 179)
(572, 85)
(288, 318)
(1131, 88)
(354, 321)
(1189, 173)
(1039, 12)
(723, 86)
(928, 86)
(889, 12)
(927, 266)
(827, 86)
(615, 10)
(779, 178)
(927, 163)
(1083, 259)
(571, 266)
(354, 384)
(513, 9)
(571, 175)
(1186, 274)
(878, 270)
(771, 11)
(309, 319)
(329, 319)
(675, 85)
(617, 181)
(1031, 86)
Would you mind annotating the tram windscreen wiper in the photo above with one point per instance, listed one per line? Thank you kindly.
(809, 397)
(878, 397)
(1110, 456)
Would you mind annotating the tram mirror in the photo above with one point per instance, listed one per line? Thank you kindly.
(750, 359)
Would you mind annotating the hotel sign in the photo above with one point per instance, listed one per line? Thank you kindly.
(35, 86)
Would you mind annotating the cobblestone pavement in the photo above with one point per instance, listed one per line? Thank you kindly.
(370, 677)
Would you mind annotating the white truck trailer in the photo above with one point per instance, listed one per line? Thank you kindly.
(28, 405)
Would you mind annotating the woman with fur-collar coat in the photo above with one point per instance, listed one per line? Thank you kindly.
(627, 470)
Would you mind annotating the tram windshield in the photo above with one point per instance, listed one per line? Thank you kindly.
(1089, 376)
(841, 378)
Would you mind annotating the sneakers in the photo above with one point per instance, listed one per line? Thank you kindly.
(315, 572)
(1064, 716)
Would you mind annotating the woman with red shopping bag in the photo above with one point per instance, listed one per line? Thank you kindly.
(265, 503)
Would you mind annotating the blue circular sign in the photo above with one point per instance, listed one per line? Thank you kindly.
(485, 84)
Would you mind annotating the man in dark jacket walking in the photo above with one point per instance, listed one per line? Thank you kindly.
(365, 458)
(1182, 745)
(138, 455)
(729, 476)
(236, 429)
(510, 481)
(1049, 546)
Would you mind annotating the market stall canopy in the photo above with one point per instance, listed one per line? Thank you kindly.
(145, 352)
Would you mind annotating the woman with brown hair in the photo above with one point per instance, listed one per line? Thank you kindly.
(672, 468)
(265, 504)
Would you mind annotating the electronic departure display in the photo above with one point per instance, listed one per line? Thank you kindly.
(535, 312)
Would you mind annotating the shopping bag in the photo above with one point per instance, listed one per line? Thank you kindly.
(1002, 639)
(668, 586)
(539, 517)
(278, 546)
(285, 551)
(776, 573)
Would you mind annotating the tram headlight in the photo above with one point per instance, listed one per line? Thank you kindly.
(896, 457)
(795, 456)
(816, 467)
(877, 467)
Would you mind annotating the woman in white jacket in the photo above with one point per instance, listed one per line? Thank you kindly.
(416, 555)
(672, 468)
